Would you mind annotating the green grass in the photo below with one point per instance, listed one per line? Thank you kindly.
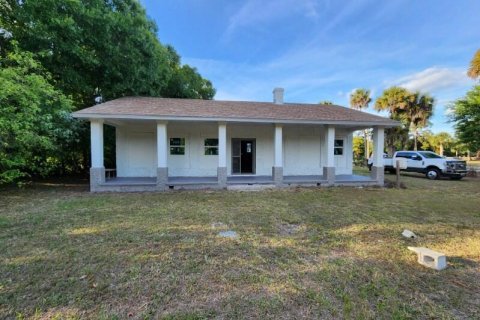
(301, 253)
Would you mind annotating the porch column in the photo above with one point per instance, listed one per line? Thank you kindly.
(377, 173)
(222, 155)
(162, 154)
(277, 170)
(329, 165)
(97, 170)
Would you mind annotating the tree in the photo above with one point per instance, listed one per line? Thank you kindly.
(92, 48)
(326, 102)
(394, 100)
(442, 142)
(466, 116)
(35, 120)
(474, 70)
(418, 113)
(359, 100)
(412, 109)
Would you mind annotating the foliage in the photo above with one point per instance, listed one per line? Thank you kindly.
(474, 70)
(34, 119)
(358, 150)
(412, 109)
(466, 116)
(360, 99)
(326, 102)
(441, 143)
(92, 48)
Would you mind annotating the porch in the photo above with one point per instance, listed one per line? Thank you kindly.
(160, 155)
(211, 182)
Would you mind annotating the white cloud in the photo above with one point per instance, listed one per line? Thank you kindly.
(254, 12)
(433, 79)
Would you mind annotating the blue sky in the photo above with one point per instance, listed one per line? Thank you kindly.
(322, 50)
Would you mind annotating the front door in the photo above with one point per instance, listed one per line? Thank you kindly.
(243, 156)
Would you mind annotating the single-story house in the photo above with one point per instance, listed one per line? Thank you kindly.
(164, 143)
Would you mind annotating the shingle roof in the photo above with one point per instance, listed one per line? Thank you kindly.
(168, 108)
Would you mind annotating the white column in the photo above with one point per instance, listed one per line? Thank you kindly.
(162, 145)
(96, 140)
(222, 145)
(378, 146)
(330, 145)
(278, 146)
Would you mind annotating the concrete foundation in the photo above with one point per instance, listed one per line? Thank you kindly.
(97, 178)
(329, 175)
(162, 178)
(277, 174)
(222, 177)
(378, 174)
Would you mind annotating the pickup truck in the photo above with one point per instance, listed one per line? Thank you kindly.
(429, 163)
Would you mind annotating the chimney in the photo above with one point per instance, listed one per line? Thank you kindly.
(278, 95)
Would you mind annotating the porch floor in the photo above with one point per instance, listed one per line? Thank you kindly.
(307, 179)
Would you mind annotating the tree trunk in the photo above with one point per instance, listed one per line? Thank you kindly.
(365, 138)
(415, 133)
(441, 149)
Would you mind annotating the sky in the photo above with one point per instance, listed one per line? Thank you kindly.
(324, 49)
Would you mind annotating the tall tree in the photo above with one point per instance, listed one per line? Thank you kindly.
(418, 113)
(412, 109)
(466, 116)
(359, 100)
(98, 47)
(394, 100)
(35, 122)
(474, 70)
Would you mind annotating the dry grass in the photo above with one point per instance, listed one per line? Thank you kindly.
(301, 253)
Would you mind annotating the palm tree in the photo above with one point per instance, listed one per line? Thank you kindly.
(360, 99)
(418, 113)
(474, 70)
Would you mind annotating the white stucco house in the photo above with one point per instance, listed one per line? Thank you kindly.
(166, 143)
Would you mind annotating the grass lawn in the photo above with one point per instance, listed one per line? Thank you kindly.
(301, 253)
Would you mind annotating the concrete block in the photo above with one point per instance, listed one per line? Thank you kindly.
(378, 174)
(329, 175)
(162, 178)
(429, 258)
(277, 175)
(222, 177)
(97, 177)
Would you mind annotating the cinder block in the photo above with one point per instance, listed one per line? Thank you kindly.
(429, 258)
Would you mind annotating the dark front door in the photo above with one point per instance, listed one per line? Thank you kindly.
(243, 156)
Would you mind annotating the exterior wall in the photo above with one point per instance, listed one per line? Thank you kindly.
(194, 162)
(264, 153)
(303, 149)
(136, 151)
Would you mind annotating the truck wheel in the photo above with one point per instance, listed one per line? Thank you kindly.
(432, 173)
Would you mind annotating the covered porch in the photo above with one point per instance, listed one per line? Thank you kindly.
(280, 151)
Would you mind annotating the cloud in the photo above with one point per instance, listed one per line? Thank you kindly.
(255, 12)
(434, 79)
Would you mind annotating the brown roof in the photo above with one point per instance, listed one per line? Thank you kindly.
(168, 108)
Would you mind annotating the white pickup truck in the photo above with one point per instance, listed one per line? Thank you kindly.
(429, 163)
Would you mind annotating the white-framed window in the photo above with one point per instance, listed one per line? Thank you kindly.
(338, 147)
(177, 146)
(211, 146)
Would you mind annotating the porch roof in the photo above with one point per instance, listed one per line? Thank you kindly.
(229, 111)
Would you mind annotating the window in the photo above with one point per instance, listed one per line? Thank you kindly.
(338, 148)
(407, 155)
(177, 146)
(430, 155)
(211, 147)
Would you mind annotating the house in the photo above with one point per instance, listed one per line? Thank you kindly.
(166, 143)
